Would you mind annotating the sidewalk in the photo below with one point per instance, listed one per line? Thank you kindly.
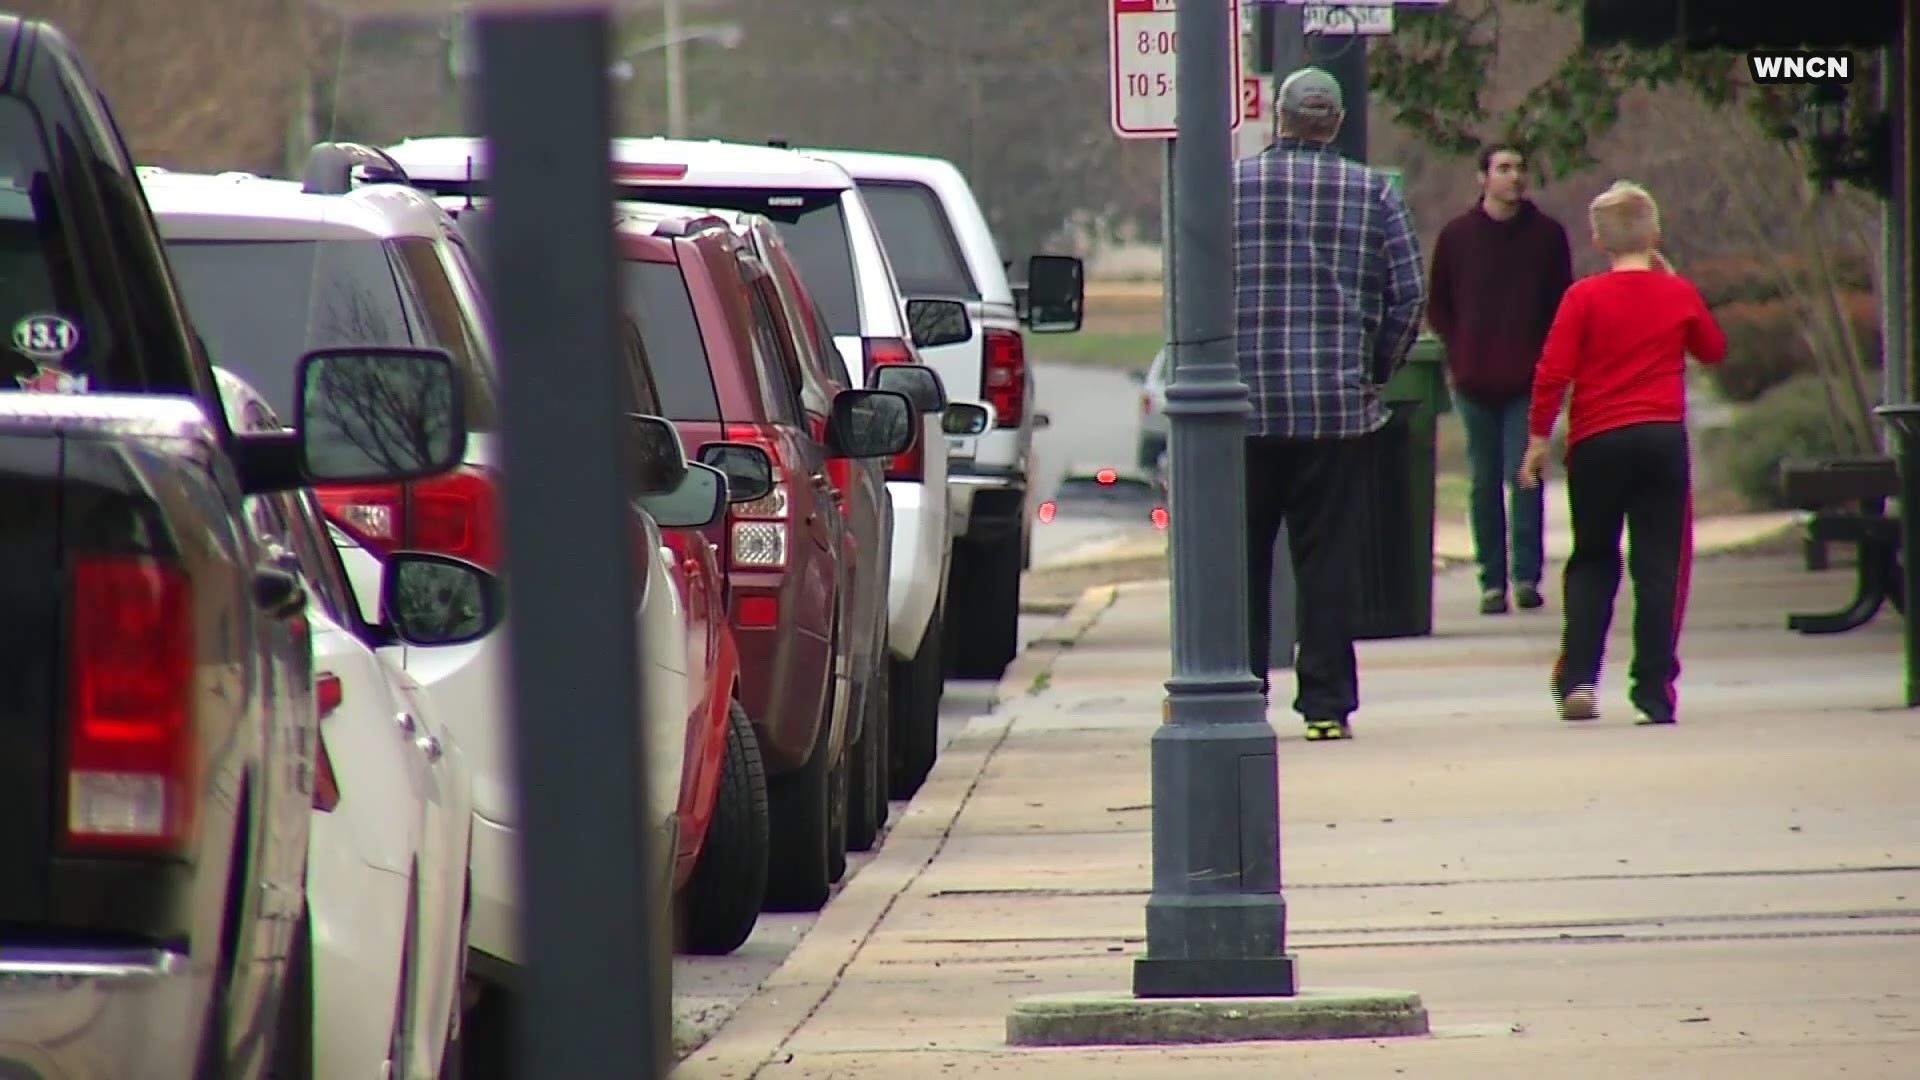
(1738, 896)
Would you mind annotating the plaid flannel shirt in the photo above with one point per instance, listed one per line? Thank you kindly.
(1328, 290)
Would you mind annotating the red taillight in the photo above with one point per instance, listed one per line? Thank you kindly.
(131, 760)
(1105, 476)
(648, 170)
(1046, 512)
(1003, 380)
(455, 513)
(327, 696)
(757, 531)
(1160, 517)
(1146, 405)
(756, 612)
(910, 464)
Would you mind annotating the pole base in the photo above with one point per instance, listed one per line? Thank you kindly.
(1120, 1020)
(1220, 977)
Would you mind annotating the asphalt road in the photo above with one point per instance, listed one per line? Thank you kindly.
(1096, 421)
(706, 989)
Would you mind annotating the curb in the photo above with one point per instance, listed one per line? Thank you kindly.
(755, 1035)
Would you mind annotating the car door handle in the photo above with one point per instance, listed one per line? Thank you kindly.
(429, 745)
(405, 720)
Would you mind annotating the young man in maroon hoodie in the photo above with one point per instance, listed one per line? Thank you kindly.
(1499, 271)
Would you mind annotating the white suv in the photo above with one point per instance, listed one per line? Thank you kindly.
(830, 234)
(355, 256)
(941, 247)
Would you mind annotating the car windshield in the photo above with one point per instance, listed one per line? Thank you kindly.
(246, 299)
(655, 296)
(926, 258)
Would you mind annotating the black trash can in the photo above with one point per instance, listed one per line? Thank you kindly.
(1396, 575)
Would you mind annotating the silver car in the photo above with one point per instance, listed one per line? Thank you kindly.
(1153, 410)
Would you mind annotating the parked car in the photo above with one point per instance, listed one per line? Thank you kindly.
(158, 698)
(941, 247)
(1153, 411)
(392, 800)
(1106, 493)
(857, 304)
(353, 254)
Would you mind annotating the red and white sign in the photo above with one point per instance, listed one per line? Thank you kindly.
(1251, 107)
(1142, 47)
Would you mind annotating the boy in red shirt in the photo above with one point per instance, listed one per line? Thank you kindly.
(1621, 340)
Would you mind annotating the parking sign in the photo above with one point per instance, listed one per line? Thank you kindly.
(1142, 47)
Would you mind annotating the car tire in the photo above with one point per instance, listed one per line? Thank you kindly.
(915, 693)
(723, 897)
(987, 638)
(838, 787)
(800, 826)
(867, 797)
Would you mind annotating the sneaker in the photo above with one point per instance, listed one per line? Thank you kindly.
(1328, 730)
(1581, 703)
(1493, 602)
(1528, 597)
(1649, 720)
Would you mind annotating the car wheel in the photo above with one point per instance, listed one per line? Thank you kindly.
(729, 883)
(989, 575)
(915, 705)
(837, 815)
(867, 801)
(799, 876)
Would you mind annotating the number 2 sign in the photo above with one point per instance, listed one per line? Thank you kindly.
(1143, 44)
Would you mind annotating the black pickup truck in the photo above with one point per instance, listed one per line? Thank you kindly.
(157, 713)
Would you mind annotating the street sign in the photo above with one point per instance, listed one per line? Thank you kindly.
(1348, 17)
(1141, 50)
(1251, 108)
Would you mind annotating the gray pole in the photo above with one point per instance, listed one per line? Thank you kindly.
(1216, 923)
(585, 996)
(1893, 236)
(1283, 626)
(1345, 58)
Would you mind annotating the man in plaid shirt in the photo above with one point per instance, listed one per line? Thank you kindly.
(1329, 290)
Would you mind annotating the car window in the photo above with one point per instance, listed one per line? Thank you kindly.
(320, 562)
(259, 304)
(450, 321)
(654, 295)
(773, 358)
(926, 257)
(811, 349)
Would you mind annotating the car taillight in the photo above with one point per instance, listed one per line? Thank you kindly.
(1046, 511)
(327, 694)
(130, 683)
(757, 530)
(455, 513)
(1160, 518)
(1146, 404)
(1003, 380)
(911, 463)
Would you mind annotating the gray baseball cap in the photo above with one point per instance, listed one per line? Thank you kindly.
(1310, 91)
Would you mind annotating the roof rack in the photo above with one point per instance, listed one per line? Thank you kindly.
(330, 167)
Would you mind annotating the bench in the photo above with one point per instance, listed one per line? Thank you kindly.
(1847, 501)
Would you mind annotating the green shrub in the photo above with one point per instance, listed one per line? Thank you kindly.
(1789, 421)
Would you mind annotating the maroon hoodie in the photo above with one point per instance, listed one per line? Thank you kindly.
(1494, 291)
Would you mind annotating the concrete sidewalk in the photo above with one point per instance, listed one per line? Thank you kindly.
(1738, 896)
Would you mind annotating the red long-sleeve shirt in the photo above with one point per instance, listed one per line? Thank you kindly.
(1621, 339)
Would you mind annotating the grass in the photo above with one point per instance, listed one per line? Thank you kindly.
(1122, 329)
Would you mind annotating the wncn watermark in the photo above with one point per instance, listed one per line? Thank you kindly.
(1799, 66)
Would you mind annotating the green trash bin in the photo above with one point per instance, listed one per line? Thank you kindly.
(1396, 591)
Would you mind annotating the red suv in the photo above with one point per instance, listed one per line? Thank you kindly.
(707, 310)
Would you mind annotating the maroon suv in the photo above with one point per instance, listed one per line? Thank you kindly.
(710, 316)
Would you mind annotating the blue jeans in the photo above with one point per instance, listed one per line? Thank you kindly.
(1496, 439)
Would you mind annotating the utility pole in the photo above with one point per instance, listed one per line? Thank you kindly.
(1289, 54)
(1216, 922)
(676, 73)
(1345, 58)
(586, 995)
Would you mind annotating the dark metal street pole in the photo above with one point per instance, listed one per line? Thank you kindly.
(1216, 923)
(585, 1004)
(1345, 58)
(1289, 54)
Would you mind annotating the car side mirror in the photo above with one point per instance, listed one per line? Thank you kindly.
(655, 458)
(919, 383)
(697, 503)
(870, 423)
(1056, 294)
(431, 599)
(1134, 375)
(748, 469)
(1042, 420)
(938, 322)
(375, 414)
(966, 418)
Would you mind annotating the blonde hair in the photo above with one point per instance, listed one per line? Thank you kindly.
(1625, 219)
